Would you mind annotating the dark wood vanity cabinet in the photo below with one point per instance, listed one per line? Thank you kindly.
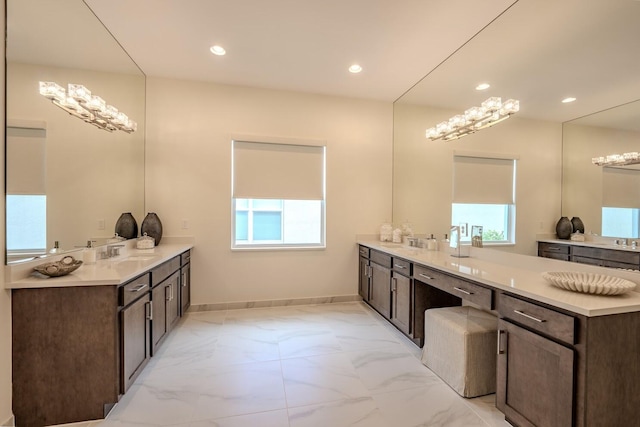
(364, 275)
(165, 299)
(554, 251)
(77, 349)
(185, 282)
(401, 295)
(535, 373)
(380, 294)
(135, 330)
(602, 257)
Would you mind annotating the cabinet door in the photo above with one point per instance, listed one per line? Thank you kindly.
(172, 296)
(363, 278)
(380, 296)
(135, 341)
(159, 316)
(185, 289)
(401, 302)
(535, 378)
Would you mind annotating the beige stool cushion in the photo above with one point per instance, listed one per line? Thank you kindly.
(460, 347)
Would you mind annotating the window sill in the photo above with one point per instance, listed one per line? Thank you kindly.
(251, 248)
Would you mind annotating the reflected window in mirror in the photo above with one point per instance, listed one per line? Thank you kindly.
(26, 225)
(621, 222)
(484, 195)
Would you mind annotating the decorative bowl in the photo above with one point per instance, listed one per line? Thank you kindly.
(59, 268)
(590, 283)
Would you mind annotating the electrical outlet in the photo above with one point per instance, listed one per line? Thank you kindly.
(464, 229)
(101, 224)
(184, 224)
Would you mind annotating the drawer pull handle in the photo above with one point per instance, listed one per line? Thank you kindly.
(138, 288)
(400, 266)
(464, 291)
(528, 316)
(500, 347)
(425, 276)
(553, 248)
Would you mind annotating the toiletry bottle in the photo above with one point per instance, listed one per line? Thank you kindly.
(444, 243)
(56, 248)
(89, 254)
(432, 244)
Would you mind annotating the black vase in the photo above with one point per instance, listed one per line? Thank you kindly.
(152, 226)
(564, 228)
(577, 224)
(126, 226)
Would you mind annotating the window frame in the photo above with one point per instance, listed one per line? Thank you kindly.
(278, 245)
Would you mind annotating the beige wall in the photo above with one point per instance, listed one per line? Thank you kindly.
(5, 295)
(188, 155)
(422, 188)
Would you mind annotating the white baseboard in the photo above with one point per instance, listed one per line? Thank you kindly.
(273, 303)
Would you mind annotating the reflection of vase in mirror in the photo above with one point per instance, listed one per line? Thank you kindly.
(152, 227)
(126, 226)
(578, 225)
(564, 228)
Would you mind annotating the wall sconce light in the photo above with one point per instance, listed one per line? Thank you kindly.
(79, 102)
(632, 158)
(491, 112)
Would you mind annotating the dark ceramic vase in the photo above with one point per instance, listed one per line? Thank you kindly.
(564, 228)
(126, 226)
(152, 226)
(577, 224)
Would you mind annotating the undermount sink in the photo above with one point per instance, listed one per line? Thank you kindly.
(391, 245)
(139, 258)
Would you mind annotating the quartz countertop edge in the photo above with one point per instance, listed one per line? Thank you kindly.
(521, 275)
(114, 271)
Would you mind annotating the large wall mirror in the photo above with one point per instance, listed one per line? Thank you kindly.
(67, 180)
(606, 198)
(538, 52)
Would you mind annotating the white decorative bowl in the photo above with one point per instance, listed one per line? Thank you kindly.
(590, 283)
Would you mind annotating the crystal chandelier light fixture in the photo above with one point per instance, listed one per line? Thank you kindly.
(632, 158)
(490, 112)
(78, 101)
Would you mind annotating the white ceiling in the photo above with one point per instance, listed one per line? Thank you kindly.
(537, 51)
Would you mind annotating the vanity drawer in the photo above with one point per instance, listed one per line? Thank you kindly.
(549, 322)
(364, 251)
(461, 288)
(165, 270)
(607, 254)
(133, 290)
(185, 257)
(402, 266)
(380, 258)
(554, 248)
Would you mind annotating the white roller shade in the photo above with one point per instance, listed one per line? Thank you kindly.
(620, 187)
(26, 161)
(483, 180)
(277, 171)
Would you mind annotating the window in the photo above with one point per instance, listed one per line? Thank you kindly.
(277, 195)
(26, 224)
(621, 201)
(484, 194)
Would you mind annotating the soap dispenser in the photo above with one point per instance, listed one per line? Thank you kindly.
(89, 254)
(432, 244)
(56, 248)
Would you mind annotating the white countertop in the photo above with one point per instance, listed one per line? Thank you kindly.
(521, 275)
(113, 271)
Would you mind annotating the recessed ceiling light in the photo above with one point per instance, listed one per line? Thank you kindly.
(217, 50)
(483, 86)
(568, 100)
(355, 68)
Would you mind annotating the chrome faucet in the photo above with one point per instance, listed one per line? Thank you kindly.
(113, 250)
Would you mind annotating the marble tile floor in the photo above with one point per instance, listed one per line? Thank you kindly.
(328, 365)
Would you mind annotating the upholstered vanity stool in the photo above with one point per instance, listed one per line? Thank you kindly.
(460, 347)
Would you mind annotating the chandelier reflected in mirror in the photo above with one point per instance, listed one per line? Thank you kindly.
(489, 113)
(79, 102)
